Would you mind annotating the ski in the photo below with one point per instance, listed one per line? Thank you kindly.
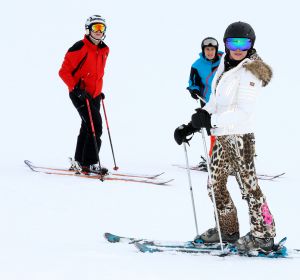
(259, 176)
(269, 177)
(279, 251)
(156, 246)
(112, 238)
(147, 248)
(121, 174)
(110, 177)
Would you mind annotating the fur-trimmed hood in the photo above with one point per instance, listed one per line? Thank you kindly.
(259, 69)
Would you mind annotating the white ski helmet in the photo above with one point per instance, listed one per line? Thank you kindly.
(92, 20)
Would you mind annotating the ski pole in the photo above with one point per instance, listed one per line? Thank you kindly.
(108, 130)
(211, 185)
(94, 137)
(212, 189)
(190, 185)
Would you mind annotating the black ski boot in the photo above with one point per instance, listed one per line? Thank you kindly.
(212, 236)
(250, 243)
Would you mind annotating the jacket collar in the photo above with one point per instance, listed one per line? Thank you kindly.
(90, 44)
(203, 59)
(221, 70)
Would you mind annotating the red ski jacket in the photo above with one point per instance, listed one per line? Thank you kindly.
(84, 65)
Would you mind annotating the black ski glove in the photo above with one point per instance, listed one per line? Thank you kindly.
(181, 133)
(195, 93)
(81, 94)
(102, 95)
(202, 119)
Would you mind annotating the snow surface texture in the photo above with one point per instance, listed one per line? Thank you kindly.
(51, 227)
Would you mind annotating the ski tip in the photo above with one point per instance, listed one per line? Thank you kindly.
(157, 175)
(111, 237)
(29, 164)
(146, 249)
(164, 182)
(283, 240)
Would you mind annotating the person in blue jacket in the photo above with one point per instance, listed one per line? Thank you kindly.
(204, 69)
(202, 73)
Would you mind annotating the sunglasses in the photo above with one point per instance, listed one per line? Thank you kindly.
(242, 44)
(98, 27)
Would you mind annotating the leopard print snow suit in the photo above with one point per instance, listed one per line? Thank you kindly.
(235, 154)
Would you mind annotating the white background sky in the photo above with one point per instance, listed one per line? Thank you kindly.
(152, 44)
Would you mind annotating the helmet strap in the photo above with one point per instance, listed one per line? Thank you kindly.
(94, 40)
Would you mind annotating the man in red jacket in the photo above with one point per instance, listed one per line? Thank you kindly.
(82, 71)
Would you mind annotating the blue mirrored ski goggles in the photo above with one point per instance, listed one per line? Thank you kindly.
(242, 44)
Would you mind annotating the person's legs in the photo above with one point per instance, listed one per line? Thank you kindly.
(83, 132)
(86, 153)
(89, 152)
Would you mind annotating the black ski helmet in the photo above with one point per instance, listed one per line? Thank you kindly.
(240, 29)
(210, 42)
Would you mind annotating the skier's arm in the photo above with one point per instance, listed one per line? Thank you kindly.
(194, 80)
(73, 60)
(65, 72)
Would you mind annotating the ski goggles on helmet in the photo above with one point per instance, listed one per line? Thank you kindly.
(210, 42)
(98, 27)
(243, 44)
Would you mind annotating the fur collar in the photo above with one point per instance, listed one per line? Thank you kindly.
(259, 69)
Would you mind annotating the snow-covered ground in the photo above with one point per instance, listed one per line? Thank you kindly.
(52, 227)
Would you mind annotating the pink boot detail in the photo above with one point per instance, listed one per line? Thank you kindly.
(268, 219)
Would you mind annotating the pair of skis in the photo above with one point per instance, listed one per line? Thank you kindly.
(126, 177)
(156, 246)
(260, 176)
(152, 179)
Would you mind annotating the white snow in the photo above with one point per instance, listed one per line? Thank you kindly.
(52, 226)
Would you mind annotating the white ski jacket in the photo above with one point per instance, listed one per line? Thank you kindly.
(233, 98)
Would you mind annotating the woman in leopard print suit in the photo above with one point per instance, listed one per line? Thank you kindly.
(229, 115)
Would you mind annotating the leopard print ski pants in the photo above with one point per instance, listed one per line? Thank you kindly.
(235, 154)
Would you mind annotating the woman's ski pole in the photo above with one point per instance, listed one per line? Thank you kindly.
(212, 188)
(211, 185)
(190, 185)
